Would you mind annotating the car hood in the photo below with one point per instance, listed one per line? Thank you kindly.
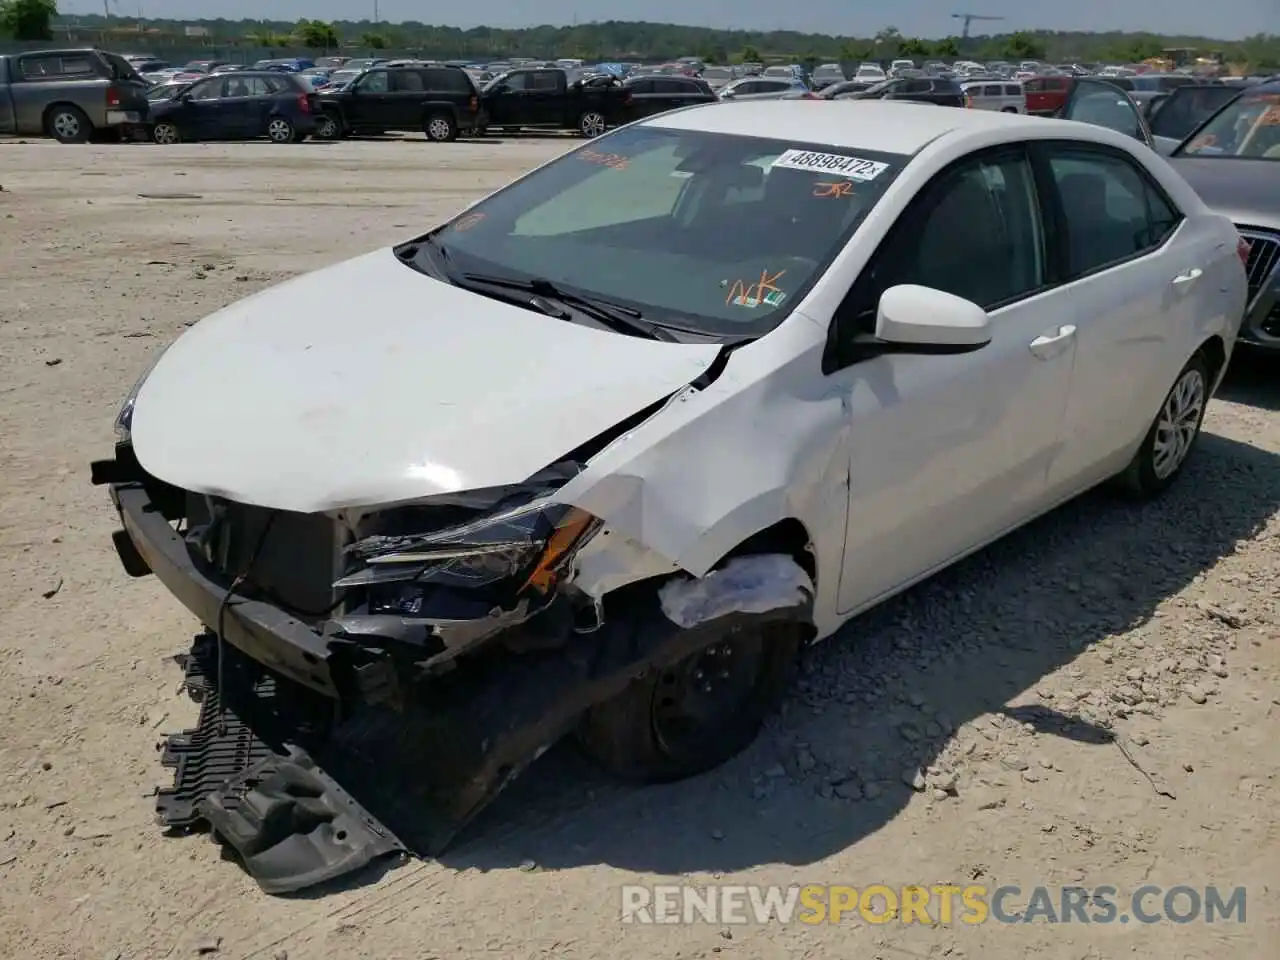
(1247, 191)
(368, 383)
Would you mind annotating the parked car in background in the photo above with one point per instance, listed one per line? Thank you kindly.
(1100, 102)
(935, 90)
(196, 69)
(244, 105)
(762, 88)
(846, 89)
(442, 102)
(1005, 96)
(1232, 160)
(1047, 95)
(551, 98)
(869, 71)
(717, 77)
(70, 95)
(657, 94)
(825, 76)
(1175, 114)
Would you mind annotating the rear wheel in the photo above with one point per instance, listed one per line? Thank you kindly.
(1165, 448)
(280, 130)
(166, 133)
(328, 127)
(68, 124)
(698, 713)
(1008, 109)
(440, 128)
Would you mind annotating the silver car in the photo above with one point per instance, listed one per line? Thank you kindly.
(1233, 162)
(763, 88)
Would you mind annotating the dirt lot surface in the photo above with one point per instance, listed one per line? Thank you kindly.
(1094, 701)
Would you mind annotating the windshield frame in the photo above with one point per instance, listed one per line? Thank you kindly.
(1266, 92)
(674, 318)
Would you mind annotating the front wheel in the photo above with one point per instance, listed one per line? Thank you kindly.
(592, 124)
(166, 134)
(698, 713)
(280, 130)
(1168, 443)
(441, 128)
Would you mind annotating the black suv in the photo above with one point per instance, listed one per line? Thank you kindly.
(441, 101)
(944, 93)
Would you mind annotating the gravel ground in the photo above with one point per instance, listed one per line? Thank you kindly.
(1092, 701)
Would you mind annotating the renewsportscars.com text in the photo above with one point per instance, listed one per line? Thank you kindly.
(938, 903)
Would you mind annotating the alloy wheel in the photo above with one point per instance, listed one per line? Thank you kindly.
(1178, 424)
(593, 124)
(280, 131)
(165, 133)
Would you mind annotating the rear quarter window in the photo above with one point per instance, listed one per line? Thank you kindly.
(455, 81)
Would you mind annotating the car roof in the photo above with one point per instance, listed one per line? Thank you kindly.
(856, 124)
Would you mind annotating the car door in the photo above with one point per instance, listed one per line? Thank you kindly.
(1105, 105)
(510, 104)
(948, 452)
(405, 100)
(548, 99)
(1130, 289)
(241, 101)
(369, 103)
(206, 109)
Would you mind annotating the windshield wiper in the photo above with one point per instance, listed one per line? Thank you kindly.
(621, 318)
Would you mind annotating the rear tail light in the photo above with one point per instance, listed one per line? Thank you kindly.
(304, 102)
(474, 104)
(1242, 249)
(113, 97)
(968, 101)
(626, 99)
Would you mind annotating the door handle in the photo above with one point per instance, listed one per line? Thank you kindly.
(1049, 345)
(1188, 278)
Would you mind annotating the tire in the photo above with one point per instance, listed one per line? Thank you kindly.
(1173, 433)
(280, 130)
(68, 124)
(440, 128)
(166, 134)
(328, 127)
(648, 734)
(592, 124)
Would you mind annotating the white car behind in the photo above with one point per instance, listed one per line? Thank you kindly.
(699, 392)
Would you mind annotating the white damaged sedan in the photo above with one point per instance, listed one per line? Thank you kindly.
(612, 444)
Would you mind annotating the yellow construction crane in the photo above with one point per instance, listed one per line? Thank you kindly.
(968, 18)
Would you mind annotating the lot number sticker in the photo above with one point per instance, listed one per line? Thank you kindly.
(831, 163)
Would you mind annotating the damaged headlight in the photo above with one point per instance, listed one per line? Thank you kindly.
(124, 419)
(522, 549)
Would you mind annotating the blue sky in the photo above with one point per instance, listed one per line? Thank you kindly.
(1227, 19)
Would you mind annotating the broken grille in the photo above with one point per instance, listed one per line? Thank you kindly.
(1264, 257)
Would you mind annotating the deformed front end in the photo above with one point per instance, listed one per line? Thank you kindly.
(438, 647)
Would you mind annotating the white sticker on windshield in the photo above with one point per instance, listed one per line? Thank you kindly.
(836, 164)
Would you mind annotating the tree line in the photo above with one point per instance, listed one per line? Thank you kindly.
(618, 40)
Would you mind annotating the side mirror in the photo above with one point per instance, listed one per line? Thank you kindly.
(915, 319)
(185, 97)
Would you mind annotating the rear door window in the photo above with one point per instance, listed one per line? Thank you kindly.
(454, 81)
(407, 81)
(1113, 211)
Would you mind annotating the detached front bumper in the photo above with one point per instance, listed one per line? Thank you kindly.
(261, 631)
